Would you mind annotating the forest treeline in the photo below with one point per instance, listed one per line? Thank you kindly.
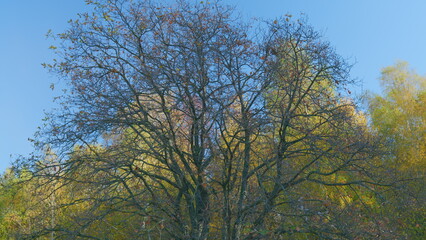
(183, 121)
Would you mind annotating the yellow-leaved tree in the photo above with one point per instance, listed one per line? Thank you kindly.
(399, 116)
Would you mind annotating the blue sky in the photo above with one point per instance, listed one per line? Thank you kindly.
(371, 33)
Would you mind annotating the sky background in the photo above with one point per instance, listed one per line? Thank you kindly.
(371, 33)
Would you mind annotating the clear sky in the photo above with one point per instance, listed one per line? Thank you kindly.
(371, 33)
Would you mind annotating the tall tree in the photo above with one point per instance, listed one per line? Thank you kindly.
(399, 116)
(183, 122)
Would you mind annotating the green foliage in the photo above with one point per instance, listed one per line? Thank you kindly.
(399, 116)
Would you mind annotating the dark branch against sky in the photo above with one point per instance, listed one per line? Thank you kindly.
(371, 34)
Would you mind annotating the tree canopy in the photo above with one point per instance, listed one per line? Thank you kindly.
(400, 118)
(181, 121)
